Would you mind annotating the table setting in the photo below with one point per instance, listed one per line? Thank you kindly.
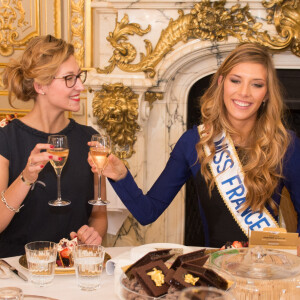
(111, 264)
(64, 285)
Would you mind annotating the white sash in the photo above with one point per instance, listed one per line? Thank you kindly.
(229, 177)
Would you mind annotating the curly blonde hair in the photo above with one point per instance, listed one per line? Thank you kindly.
(269, 139)
(39, 63)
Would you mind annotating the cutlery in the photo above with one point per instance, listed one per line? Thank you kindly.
(14, 270)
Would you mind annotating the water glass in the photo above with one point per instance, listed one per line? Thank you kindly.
(88, 262)
(41, 260)
(11, 293)
(205, 293)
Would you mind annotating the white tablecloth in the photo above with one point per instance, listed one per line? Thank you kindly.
(64, 287)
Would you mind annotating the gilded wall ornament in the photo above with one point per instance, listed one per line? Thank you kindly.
(116, 109)
(206, 21)
(77, 29)
(12, 19)
(151, 97)
(286, 17)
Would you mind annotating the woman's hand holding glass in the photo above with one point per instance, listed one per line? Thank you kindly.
(37, 160)
(59, 148)
(115, 168)
(100, 149)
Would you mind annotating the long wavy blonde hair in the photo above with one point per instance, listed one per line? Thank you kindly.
(269, 139)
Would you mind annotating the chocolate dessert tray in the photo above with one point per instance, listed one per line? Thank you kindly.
(152, 276)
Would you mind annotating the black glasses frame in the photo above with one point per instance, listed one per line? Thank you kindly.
(67, 78)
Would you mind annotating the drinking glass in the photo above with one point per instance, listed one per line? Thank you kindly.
(88, 262)
(61, 149)
(205, 293)
(11, 293)
(41, 260)
(100, 150)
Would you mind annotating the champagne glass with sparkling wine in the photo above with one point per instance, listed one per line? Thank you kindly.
(61, 149)
(100, 150)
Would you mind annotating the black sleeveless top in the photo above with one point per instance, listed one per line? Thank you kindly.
(37, 220)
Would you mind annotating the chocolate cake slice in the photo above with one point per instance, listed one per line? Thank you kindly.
(152, 278)
(197, 256)
(163, 254)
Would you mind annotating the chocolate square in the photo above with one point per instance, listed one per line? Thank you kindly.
(195, 255)
(178, 279)
(163, 254)
(147, 283)
(169, 275)
(207, 275)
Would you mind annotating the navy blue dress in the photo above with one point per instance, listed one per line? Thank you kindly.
(37, 220)
(219, 225)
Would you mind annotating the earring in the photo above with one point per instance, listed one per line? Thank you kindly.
(43, 93)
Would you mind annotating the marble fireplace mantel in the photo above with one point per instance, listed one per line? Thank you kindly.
(163, 121)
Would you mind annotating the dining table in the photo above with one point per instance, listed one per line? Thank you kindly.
(64, 286)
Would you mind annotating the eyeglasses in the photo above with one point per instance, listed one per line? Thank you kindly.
(72, 79)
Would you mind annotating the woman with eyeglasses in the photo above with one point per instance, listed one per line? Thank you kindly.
(48, 74)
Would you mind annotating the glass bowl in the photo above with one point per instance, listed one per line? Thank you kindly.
(201, 292)
(261, 273)
(132, 291)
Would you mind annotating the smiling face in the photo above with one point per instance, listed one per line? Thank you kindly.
(58, 94)
(245, 88)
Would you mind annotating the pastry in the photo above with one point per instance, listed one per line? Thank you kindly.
(64, 252)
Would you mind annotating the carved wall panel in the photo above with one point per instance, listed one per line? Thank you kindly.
(19, 22)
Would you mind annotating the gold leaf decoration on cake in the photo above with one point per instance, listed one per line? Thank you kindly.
(157, 276)
(189, 278)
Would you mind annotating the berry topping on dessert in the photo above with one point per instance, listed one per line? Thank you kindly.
(64, 252)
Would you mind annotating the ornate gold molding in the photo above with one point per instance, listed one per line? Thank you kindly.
(152, 97)
(116, 109)
(286, 17)
(77, 29)
(206, 21)
(12, 19)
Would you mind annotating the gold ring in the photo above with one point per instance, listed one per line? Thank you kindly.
(30, 163)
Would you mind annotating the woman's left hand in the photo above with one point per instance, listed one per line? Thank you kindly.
(87, 235)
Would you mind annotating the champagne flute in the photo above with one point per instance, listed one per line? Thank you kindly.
(60, 148)
(99, 150)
